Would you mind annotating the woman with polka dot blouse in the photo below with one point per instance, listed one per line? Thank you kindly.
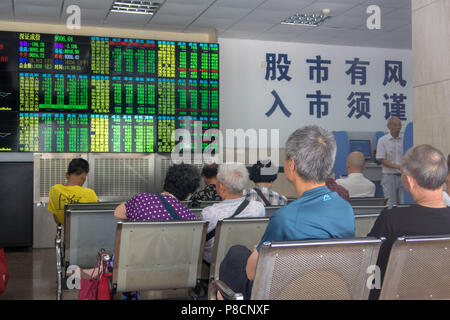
(181, 180)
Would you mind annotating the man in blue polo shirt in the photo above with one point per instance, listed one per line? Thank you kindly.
(318, 213)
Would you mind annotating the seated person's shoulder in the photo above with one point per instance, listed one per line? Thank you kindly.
(281, 196)
(210, 210)
(287, 210)
(254, 203)
(335, 197)
(141, 197)
(257, 206)
(91, 191)
(56, 187)
(337, 202)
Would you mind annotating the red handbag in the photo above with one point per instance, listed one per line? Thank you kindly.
(96, 288)
(103, 292)
(3, 271)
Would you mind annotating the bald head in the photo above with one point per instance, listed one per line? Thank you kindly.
(355, 162)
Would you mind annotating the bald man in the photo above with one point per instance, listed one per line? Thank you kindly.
(390, 153)
(356, 184)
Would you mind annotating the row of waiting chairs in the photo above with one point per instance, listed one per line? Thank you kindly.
(366, 201)
(89, 227)
(418, 269)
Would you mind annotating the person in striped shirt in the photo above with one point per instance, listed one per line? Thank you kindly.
(262, 191)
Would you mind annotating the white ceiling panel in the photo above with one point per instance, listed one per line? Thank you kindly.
(6, 10)
(103, 5)
(202, 30)
(240, 34)
(395, 19)
(243, 19)
(352, 2)
(292, 6)
(280, 29)
(45, 3)
(92, 17)
(37, 13)
(336, 7)
(247, 26)
(93, 13)
(398, 4)
(345, 22)
(406, 29)
(171, 20)
(164, 27)
(353, 18)
(182, 9)
(187, 2)
(128, 20)
(214, 12)
(322, 34)
(358, 37)
(213, 23)
(287, 37)
(269, 16)
(393, 39)
(246, 4)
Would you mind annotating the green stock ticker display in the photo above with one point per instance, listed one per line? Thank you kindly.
(61, 93)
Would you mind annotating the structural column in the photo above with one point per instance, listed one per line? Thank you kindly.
(431, 72)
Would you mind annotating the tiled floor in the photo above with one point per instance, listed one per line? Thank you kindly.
(32, 274)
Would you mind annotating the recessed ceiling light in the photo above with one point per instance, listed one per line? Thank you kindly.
(135, 6)
(304, 19)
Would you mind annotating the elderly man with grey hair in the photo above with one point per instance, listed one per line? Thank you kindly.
(389, 153)
(232, 179)
(424, 170)
(318, 213)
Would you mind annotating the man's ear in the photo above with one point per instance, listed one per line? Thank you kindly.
(412, 184)
(291, 165)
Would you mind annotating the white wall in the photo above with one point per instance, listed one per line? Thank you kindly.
(245, 94)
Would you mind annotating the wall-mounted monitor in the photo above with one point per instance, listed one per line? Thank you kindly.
(362, 146)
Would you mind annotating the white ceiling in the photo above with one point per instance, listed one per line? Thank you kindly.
(244, 19)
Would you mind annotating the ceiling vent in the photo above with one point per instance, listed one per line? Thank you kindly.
(135, 7)
(306, 19)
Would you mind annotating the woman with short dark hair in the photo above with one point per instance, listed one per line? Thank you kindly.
(181, 180)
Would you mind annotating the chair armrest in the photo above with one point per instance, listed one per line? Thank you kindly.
(58, 232)
(225, 291)
(58, 269)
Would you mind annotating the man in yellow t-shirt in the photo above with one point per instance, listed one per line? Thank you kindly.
(72, 191)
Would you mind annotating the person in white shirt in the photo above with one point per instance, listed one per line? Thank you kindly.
(231, 181)
(390, 153)
(356, 184)
(446, 198)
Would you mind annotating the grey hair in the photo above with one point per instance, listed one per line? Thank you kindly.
(234, 176)
(313, 150)
(427, 165)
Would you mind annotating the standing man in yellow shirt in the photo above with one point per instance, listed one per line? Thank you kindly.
(72, 191)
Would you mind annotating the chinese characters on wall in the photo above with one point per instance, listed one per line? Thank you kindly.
(358, 104)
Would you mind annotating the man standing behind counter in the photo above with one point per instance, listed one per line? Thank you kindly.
(390, 153)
